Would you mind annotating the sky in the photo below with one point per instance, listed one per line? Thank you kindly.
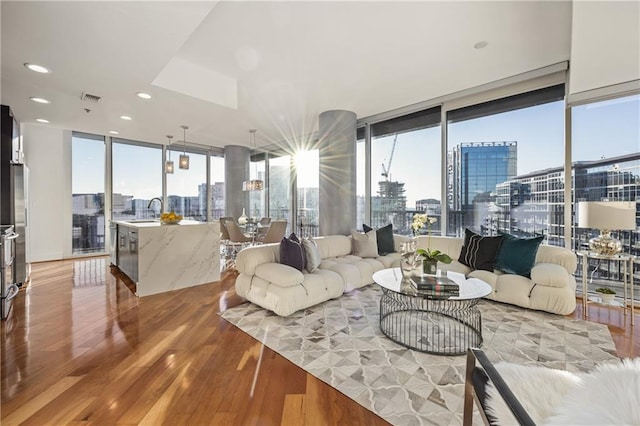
(604, 129)
(600, 130)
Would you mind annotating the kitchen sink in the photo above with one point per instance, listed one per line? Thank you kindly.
(142, 220)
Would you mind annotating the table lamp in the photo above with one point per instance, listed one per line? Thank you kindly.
(606, 216)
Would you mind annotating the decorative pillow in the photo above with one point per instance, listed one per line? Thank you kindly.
(517, 255)
(365, 245)
(384, 237)
(292, 252)
(479, 252)
(311, 253)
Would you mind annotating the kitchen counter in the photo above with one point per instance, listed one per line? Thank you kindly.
(153, 223)
(161, 258)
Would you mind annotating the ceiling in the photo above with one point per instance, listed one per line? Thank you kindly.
(223, 68)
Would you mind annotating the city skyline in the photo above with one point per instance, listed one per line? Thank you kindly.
(590, 127)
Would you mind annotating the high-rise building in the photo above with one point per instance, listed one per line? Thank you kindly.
(390, 206)
(475, 169)
(217, 200)
(534, 203)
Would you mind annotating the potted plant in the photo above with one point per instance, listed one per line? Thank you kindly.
(606, 294)
(430, 258)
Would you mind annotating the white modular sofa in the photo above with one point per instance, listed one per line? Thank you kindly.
(551, 288)
(285, 290)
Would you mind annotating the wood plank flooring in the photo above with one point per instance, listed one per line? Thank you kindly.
(81, 348)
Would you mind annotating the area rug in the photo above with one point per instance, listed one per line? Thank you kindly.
(340, 342)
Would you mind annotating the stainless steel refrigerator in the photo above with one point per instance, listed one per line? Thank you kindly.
(20, 185)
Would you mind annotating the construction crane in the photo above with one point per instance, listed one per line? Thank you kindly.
(386, 170)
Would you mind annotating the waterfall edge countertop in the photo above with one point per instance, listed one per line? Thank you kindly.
(155, 223)
(171, 257)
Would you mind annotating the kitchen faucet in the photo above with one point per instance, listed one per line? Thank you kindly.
(151, 201)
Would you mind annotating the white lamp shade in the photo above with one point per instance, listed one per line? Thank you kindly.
(608, 215)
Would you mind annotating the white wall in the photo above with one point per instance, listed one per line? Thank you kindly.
(605, 44)
(48, 190)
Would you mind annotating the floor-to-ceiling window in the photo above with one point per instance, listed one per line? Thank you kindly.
(88, 189)
(137, 178)
(505, 166)
(361, 177)
(405, 169)
(307, 164)
(217, 186)
(257, 198)
(187, 188)
(280, 187)
(606, 167)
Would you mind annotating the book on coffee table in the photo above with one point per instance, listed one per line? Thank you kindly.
(435, 283)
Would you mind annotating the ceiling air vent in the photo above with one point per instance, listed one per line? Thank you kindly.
(90, 98)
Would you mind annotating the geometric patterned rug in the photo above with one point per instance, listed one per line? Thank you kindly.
(340, 342)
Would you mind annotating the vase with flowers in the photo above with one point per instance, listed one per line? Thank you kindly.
(430, 258)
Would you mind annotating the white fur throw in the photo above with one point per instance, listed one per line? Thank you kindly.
(538, 389)
(609, 395)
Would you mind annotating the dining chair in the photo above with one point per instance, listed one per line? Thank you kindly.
(234, 242)
(235, 234)
(224, 232)
(229, 219)
(227, 251)
(275, 232)
(265, 221)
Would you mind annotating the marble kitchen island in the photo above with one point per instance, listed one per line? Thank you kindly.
(160, 258)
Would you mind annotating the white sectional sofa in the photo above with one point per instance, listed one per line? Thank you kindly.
(285, 290)
(551, 288)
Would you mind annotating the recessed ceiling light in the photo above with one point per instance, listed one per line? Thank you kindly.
(125, 117)
(143, 95)
(480, 45)
(41, 120)
(39, 100)
(113, 132)
(37, 68)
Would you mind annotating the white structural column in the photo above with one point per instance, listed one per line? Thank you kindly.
(236, 171)
(337, 146)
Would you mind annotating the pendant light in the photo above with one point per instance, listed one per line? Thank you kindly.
(168, 165)
(183, 163)
(253, 184)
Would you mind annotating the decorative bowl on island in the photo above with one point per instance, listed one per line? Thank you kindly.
(170, 218)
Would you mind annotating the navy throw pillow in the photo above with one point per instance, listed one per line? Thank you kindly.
(479, 252)
(384, 237)
(518, 255)
(292, 252)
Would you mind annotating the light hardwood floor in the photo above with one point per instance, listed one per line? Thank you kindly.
(80, 348)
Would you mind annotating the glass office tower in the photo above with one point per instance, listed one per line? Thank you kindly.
(475, 169)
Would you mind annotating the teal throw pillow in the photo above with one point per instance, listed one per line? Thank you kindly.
(517, 255)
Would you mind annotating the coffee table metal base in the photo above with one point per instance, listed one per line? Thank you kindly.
(442, 327)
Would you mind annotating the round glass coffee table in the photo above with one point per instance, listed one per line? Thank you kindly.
(431, 322)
